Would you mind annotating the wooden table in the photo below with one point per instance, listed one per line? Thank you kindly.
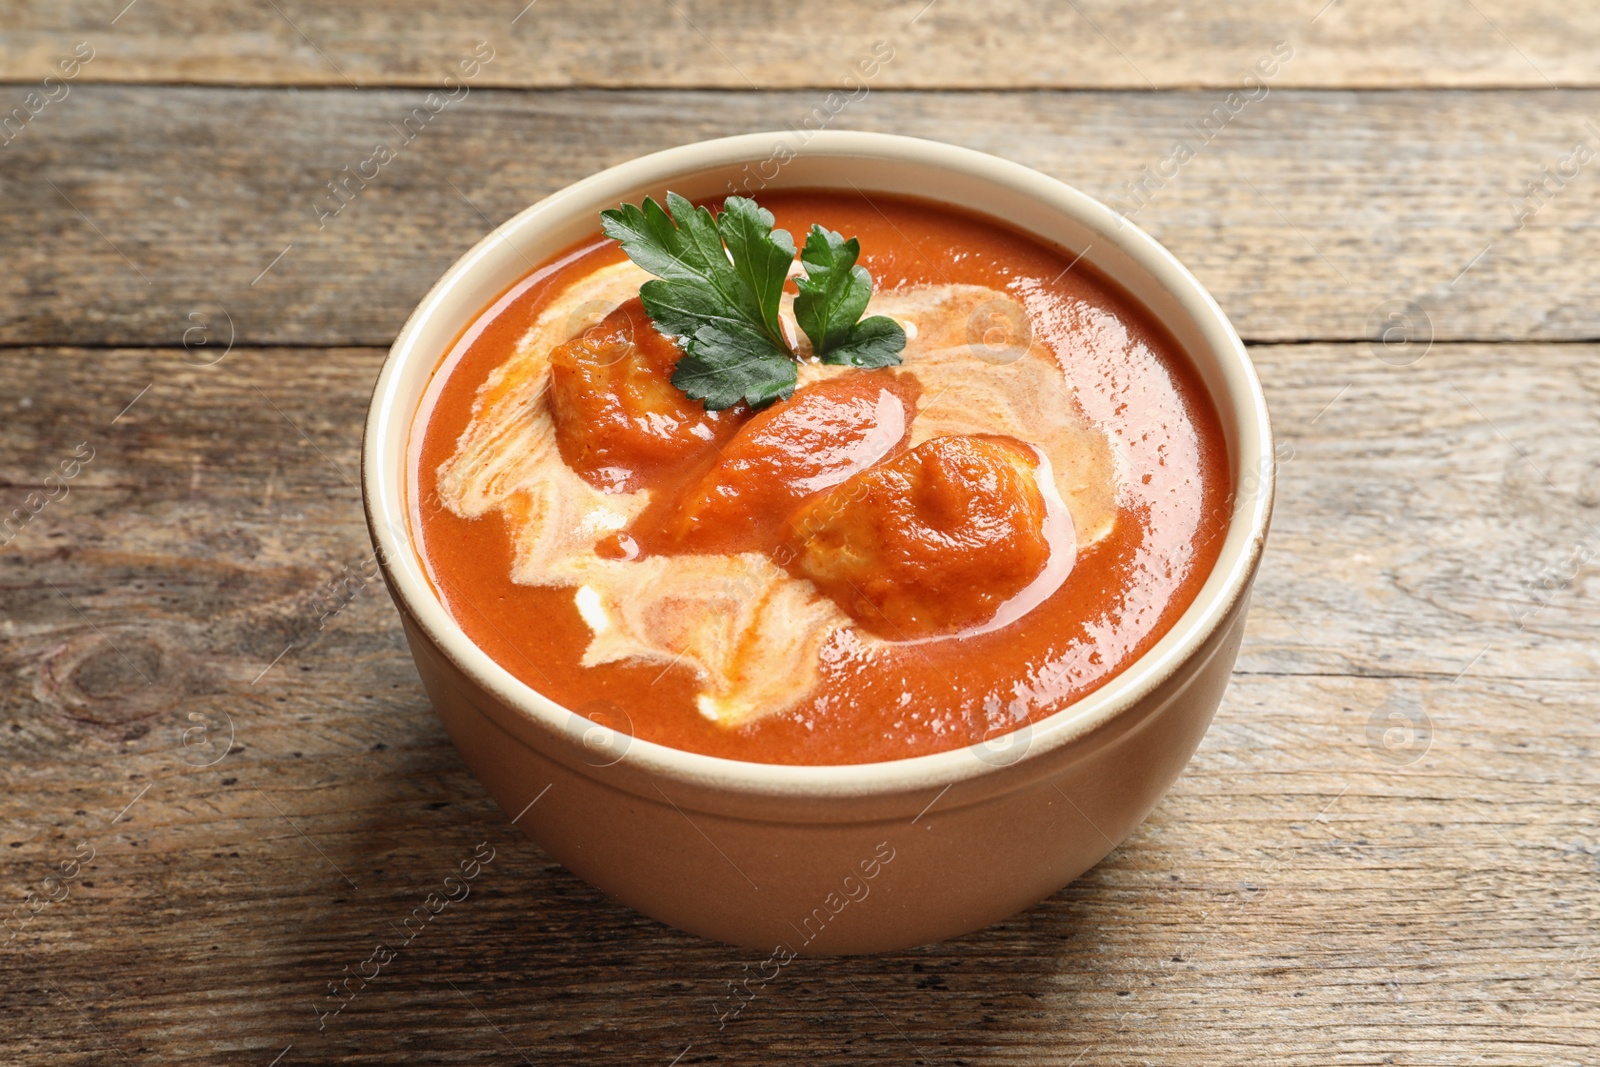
(1386, 850)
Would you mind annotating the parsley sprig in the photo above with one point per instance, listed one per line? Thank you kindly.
(718, 281)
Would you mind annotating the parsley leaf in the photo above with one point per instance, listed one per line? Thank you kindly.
(730, 362)
(717, 287)
(832, 297)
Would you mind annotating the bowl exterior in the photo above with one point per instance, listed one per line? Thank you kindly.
(800, 879)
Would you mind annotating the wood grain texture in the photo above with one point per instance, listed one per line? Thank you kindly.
(1386, 850)
(127, 210)
(1318, 888)
(744, 44)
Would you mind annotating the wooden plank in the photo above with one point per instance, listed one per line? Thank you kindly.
(1317, 889)
(1095, 44)
(1292, 898)
(126, 210)
(1447, 513)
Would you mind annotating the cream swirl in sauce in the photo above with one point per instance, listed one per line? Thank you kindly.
(755, 635)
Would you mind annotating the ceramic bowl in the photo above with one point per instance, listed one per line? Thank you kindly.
(835, 859)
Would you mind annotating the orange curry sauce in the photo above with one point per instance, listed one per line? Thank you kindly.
(910, 699)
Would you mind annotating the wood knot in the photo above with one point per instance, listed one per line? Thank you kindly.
(112, 680)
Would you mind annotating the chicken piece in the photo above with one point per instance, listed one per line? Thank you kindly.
(616, 412)
(930, 543)
(792, 450)
(985, 368)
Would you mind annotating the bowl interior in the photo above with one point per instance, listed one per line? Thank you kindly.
(866, 163)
